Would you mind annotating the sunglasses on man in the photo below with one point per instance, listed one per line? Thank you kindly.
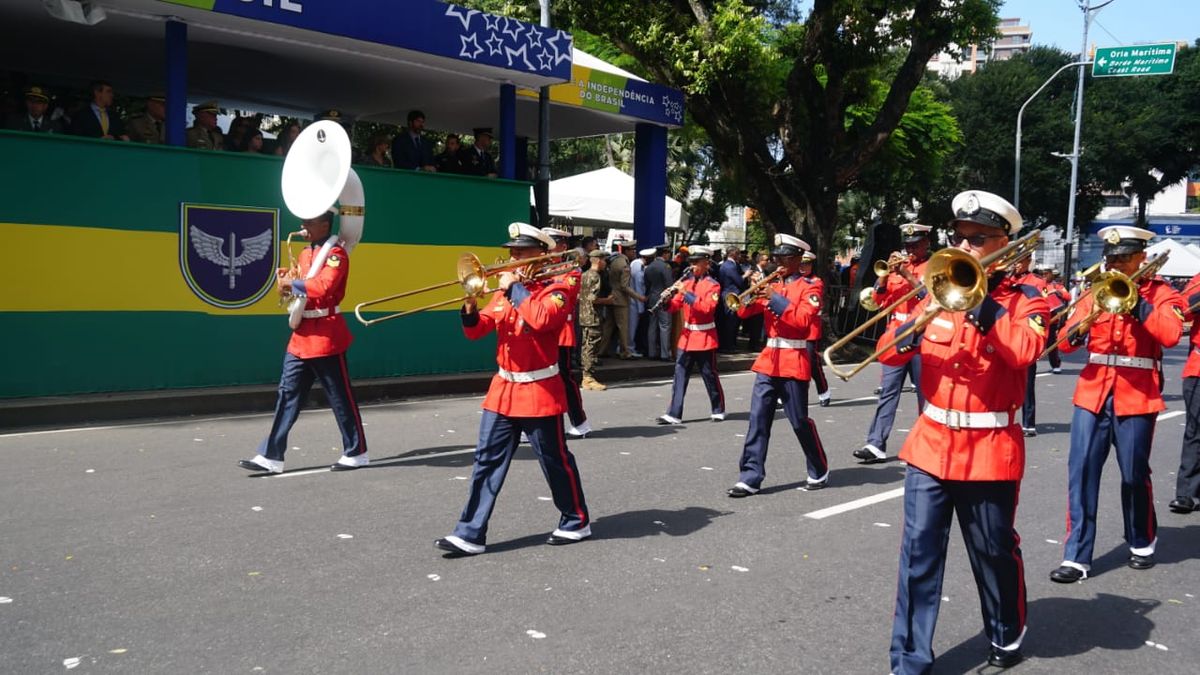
(975, 240)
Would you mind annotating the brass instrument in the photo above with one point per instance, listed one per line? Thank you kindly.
(1114, 293)
(956, 282)
(866, 298)
(473, 276)
(882, 267)
(293, 270)
(735, 301)
(1089, 276)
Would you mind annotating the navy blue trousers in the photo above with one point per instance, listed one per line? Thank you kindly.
(706, 361)
(574, 398)
(498, 438)
(1052, 339)
(986, 514)
(1091, 437)
(1029, 407)
(891, 384)
(294, 384)
(1187, 484)
(817, 365)
(766, 393)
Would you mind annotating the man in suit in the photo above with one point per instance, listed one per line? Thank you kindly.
(732, 280)
(150, 126)
(658, 278)
(205, 134)
(410, 148)
(99, 119)
(450, 161)
(476, 159)
(35, 118)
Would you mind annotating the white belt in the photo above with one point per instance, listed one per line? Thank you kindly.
(529, 375)
(1127, 361)
(318, 313)
(700, 326)
(785, 343)
(957, 419)
(899, 317)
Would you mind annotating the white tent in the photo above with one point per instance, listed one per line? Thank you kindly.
(603, 197)
(1194, 249)
(1181, 263)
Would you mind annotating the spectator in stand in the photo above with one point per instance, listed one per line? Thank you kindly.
(376, 152)
(35, 118)
(287, 136)
(658, 330)
(205, 134)
(150, 125)
(450, 159)
(100, 119)
(237, 132)
(853, 273)
(476, 159)
(622, 296)
(252, 142)
(410, 148)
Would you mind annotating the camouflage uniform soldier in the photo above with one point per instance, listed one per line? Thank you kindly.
(590, 318)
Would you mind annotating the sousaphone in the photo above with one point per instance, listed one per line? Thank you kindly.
(317, 178)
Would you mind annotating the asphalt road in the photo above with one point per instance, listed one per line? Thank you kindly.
(143, 548)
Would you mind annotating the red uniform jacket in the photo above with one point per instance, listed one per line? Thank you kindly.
(789, 313)
(527, 321)
(566, 337)
(327, 335)
(1057, 297)
(890, 288)
(1156, 322)
(818, 287)
(698, 299)
(1191, 296)
(974, 362)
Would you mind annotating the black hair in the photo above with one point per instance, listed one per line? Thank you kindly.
(414, 114)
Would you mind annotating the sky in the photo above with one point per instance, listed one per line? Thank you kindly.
(1059, 23)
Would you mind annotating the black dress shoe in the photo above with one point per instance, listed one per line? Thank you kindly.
(1183, 505)
(738, 492)
(1004, 658)
(555, 540)
(868, 457)
(450, 547)
(824, 403)
(343, 467)
(1067, 574)
(1141, 562)
(250, 466)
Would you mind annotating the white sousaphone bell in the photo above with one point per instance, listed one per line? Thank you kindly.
(316, 176)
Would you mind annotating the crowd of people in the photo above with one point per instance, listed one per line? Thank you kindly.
(96, 116)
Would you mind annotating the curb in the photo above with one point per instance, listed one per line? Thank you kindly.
(84, 409)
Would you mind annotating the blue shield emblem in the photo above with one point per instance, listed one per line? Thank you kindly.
(228, 253)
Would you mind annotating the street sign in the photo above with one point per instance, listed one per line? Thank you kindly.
(1135, 60)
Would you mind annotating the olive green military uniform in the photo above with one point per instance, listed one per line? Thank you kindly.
(589, 323)
(145, 129)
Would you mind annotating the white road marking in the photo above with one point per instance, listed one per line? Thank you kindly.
(1043, 375)
(1168, 414)
(853, 400)
(402, 460)
(856, 504)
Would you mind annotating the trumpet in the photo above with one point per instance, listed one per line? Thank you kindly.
(882, 267)
(670, 290)
(1113, 293)
(735, 301)
(473, 276)
(956, 282)
(1089, 276)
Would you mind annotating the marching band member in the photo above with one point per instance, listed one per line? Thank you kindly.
(579, 426)
(1058, 297)
(697, 298)
(317, 350)
(782, 370)
(1116, 402)
(966, 453)
(1024, 275)
(816, 367)
(904, 273)
(526, 395)
(1187, 482)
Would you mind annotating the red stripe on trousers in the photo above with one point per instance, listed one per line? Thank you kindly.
(362, 437)
(562, 452)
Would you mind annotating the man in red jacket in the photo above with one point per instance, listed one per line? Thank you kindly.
(816, 367)
(317, 350)
(782, 370)
(579, 426)
(1117, 401)
(1026, 277)
(1187, 482)
(1057, 297)
(526, 396)
(696, 295)
(966, 453)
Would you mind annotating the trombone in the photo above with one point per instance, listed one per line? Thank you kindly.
(956, 282)
(735, 301)
(1114, 293)
(473, 276)
(1089, 277)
